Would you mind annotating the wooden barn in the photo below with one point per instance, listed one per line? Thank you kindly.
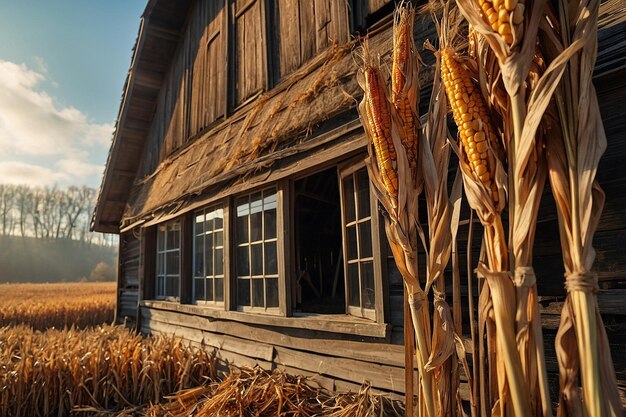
(236, 182)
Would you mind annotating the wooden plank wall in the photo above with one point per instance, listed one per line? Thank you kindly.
(306, 28)
(194, 94)
(128, 281)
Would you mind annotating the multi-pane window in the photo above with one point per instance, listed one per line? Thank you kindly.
(208, 255)
(358, 244)
(257, 252)
(168, 260)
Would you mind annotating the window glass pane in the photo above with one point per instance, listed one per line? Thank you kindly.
(256, 218)
(351, 237)
(348, 199)
(270, 224)
(367, 279)
(219, 289)
(198, 227)
(243, 262)
(171, 286)
(271, 287)
(160, 266)
(269, 200)
(219, 261)
(160, 290)
(173, 236)
(365, 239)
(198, 257)
(257, 293)
(161, 238)
(218, 238)
(353, 284)
(208, 264)
(209, 289)
(208, 225)
(219, 219)
(271, 264)
(198, 289)
(242, 222)
(171, 263)
(269, 206)
(256, 253)
(363, 193)
(243, 292)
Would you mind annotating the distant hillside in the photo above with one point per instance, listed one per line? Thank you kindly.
(26, 259)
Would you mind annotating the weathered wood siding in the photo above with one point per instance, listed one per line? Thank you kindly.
(194, 93)
(128, 278)
(306, 28)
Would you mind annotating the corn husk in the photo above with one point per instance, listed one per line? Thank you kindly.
(401, 223)
(573, 156)
(447, 346)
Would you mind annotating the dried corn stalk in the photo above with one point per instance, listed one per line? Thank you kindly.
(484, 180)
(573, 156)
(447, 345)
(392, 130)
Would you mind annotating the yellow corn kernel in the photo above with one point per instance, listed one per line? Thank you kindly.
(472, 119)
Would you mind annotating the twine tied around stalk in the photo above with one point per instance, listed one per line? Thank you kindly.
(524, 277)
(438, 295)
(416, 299)
(581, 281)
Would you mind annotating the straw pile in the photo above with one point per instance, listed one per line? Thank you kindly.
(256, 392)
(519, 64)
(103, 368)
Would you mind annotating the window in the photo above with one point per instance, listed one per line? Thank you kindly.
(257, 254)
(305, 28)
(168, 260)
(358, 239)
(208, 256)
(250, 53)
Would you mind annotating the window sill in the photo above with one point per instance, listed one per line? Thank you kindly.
(332, 323)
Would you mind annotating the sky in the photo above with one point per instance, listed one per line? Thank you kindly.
(62, 69)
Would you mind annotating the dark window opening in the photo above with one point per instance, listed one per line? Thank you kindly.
(319, 286)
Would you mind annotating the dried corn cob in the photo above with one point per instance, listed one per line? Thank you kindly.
(403, 67)
(504, 16)
(478, 138)
(379, 126)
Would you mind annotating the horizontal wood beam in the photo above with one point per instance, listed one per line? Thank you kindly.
(326, 323)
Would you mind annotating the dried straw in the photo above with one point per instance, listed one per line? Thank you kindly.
(401, 224)
(573, 156)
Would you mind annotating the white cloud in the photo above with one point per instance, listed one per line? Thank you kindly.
(13, 172)
(34, 126)
(79, 169)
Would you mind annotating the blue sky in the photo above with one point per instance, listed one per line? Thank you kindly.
(62, 68)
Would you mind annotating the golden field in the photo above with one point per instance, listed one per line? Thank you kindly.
(43, 306)
(97, 370)
(71, 362)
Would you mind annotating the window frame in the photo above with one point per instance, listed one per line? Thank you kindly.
(376, 314)
(225, 254)
(165, 251)
(281, 275)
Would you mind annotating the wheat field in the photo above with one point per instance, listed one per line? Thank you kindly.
(43, 306)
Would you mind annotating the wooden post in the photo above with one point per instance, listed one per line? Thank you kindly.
(409, 354)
